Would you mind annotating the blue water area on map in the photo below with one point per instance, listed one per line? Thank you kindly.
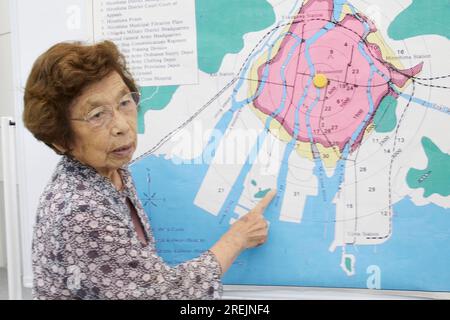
(415, 257)
(337, 10)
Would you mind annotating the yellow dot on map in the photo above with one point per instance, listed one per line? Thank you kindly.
(320, 80)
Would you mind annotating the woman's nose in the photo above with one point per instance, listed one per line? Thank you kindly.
(120, 124)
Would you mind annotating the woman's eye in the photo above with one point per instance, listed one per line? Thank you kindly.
(125, 103)
(97, 115)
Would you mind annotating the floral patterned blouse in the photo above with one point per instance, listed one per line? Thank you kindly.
(85, 245)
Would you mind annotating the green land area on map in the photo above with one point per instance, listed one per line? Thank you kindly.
(422, 17)
(436, 176)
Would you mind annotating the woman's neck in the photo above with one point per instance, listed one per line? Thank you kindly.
(117, 180)
(114, 176)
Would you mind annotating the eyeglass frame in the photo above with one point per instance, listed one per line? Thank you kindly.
(111, 108)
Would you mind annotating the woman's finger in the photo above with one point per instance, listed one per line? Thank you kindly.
(262, 205)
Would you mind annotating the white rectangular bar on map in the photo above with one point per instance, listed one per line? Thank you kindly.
(299, 185)
(157, 37)
(231, 155)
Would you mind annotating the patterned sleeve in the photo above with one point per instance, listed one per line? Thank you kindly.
(104, 260)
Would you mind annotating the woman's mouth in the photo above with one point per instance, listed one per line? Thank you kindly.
(123, 151)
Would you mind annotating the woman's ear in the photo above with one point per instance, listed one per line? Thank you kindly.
(59, 148)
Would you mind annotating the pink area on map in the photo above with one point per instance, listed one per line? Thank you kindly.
(343, 107)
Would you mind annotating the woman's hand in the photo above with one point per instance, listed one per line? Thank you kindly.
(251, 230)
(247, 232)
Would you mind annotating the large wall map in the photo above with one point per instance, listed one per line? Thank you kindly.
(343, 106)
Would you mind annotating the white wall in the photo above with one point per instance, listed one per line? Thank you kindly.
(35, 26)
(6, 85)
(6, 102)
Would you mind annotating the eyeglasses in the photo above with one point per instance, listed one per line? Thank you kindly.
(103, 115)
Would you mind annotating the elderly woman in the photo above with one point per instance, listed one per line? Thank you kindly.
(92, 238)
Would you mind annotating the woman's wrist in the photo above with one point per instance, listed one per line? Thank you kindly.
(228, 248)
(235, 240)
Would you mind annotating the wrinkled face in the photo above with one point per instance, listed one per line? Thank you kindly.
(111, 145)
